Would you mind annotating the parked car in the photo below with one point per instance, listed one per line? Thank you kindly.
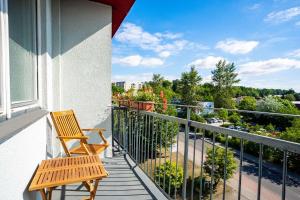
(194, 135)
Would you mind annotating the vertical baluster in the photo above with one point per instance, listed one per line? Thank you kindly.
(193, 169)
(186, 152)
(152, 132)
(213, 167)
(160, 151)
(132, 134)
(225, 167)
(129, 134)
(113, 129)
(241, 168)
(145, 142)
(142, 149)
(165, 146)
(202, 163)
(137, 138)
(119, 127)
(169, 191)
(177, 139)
(156, 133)
(260, 163)
(124, 132)
(284, 174)
(148, 144)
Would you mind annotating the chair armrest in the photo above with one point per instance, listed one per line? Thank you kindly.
(73, 137)
(100, 132)
(93, 129)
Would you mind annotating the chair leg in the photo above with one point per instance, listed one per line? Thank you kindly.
(50, 193)
(93, 192)
(43, 194)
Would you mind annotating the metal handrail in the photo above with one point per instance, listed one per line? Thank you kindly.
(232, 110)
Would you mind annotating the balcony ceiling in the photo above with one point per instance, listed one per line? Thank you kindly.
(120, 9)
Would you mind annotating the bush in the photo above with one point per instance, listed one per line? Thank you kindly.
(144, 96)
(223, 114)
(248, 103)
(173, 177)
(197, 118)
(234, 118)
(219, 163)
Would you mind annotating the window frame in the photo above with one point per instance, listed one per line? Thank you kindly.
(7, 107)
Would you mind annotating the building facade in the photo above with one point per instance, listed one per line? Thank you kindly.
(55, 55)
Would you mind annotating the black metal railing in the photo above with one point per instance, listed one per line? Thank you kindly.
(167, 148)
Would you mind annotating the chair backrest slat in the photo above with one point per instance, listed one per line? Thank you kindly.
(66, 123)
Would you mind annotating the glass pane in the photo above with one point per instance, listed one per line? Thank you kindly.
(22, 49)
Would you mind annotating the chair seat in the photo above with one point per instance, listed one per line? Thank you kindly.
(93, 148)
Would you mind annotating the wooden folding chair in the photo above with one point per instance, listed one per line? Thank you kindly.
(68, 129)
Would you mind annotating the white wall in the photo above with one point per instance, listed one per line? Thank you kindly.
(78, 76)
(19, 157)
(82, 62)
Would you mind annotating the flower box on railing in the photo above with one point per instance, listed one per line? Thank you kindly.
(125, 103)
(147, 105)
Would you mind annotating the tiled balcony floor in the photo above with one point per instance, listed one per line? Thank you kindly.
(122, 183)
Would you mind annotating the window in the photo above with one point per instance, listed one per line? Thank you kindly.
(18, 56)
(22, 20)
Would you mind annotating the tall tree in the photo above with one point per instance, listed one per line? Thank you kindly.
(224, 77)
(188, 86)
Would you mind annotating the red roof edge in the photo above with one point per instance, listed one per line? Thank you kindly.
(120, 9)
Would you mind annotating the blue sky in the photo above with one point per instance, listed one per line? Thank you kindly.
(169, 36)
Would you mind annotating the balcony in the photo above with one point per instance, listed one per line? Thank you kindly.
(142, 149)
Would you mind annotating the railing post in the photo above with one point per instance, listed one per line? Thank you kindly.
(186, 152)
(137, 150)
(126, 131)
(119, 124)
(112, 130)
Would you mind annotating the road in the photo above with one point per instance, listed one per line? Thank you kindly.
(271, 179)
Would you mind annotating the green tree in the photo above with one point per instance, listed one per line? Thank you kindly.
(290, 97)
(248, 103)
(156, 83)
(223, 114)
(224, 77)
(219, 162)
(234, 118)
(293, 134)
(278, 105)
(297, 96)
(117, 90)
(206, 91)
(170, 175)
(188, 86)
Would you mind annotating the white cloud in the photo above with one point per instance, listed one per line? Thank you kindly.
(137, 60)
(136, 36)
(205, 63)
(233, 46)
(268, 66)
(165, 54)
(168, 35)
(295, 53)
(255, 6)
(283, 15)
